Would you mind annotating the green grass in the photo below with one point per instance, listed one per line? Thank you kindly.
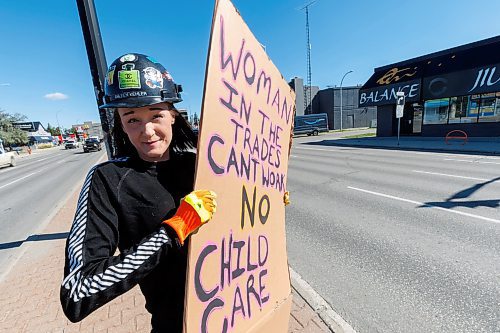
(348, 129)
(364, 135)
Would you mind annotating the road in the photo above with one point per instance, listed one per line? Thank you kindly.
(31, 193)
(398, 241)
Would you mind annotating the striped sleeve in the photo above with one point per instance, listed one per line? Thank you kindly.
(93, 275)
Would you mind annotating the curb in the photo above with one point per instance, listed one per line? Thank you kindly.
(478, 152)
(331, 318)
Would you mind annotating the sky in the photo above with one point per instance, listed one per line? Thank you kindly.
(45, 73)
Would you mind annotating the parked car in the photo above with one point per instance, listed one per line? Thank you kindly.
(16, 149)
(7, 158)
(71, 144)
(92, 144)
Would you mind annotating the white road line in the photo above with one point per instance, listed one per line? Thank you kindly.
(31, 162)
(15, 181)
(454, 176)
(469, 161)
(425, 205)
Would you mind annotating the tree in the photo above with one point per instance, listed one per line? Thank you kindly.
(54, 131)
(9, 134)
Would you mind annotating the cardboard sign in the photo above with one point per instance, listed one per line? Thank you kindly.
(238, 277)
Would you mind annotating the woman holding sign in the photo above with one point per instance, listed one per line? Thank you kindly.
(141, 203)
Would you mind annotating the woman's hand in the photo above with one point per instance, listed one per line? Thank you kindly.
(195, 209)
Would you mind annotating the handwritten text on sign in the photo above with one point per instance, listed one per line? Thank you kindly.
(253, 153)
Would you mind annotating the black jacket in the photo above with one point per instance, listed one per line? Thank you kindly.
(122, 205)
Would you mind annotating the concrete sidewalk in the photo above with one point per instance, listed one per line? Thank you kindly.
(479, 145)
(29, 293)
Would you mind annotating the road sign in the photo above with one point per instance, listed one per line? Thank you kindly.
(400, 104)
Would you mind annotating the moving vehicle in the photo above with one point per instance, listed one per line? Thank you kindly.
(311, 124)
(7, 158)
(92, 144)
(71, 144)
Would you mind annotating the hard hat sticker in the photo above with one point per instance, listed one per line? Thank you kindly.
(129, 78)
(167, 76)
(128, 57)
(153, 77)
(110, 74)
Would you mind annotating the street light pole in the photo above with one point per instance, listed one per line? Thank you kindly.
(58, 126)
(341, 81)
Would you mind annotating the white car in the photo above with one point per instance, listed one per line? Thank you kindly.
(71, 144)
(7, 158)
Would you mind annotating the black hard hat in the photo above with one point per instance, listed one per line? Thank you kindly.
(135, 80)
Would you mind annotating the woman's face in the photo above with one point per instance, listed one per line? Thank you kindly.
(149, 128)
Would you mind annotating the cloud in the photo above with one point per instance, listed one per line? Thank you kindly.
(4, 84)
(57, 96)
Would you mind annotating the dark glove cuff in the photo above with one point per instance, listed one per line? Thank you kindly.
(176, 243)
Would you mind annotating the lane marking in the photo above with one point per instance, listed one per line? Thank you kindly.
(454, 176)
(15, 181)
(469, 161)
(424, 204)
(29, 162)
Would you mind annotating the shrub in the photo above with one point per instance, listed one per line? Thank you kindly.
(44, 145)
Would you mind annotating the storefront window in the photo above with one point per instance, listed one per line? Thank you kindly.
(458, 109)
(436, 111)
(488, 111)
(472, 109)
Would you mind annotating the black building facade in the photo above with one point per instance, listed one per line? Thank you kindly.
(353, 116)
(454, 89)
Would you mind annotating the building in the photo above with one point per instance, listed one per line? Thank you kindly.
(90, 129)
(353, 116)
(328, 101)
(302, 106)
(454, 89)
(184, 114)
(35, 130)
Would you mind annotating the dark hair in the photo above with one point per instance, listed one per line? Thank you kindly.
(183, 137)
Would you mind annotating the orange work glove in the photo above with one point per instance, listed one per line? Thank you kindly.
(195, 209)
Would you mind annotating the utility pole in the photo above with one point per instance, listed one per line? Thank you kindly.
(59, 128)
(307, 90)
(97, 63)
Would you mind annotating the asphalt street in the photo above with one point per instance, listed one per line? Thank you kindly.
(32, 191)
(398, 241)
